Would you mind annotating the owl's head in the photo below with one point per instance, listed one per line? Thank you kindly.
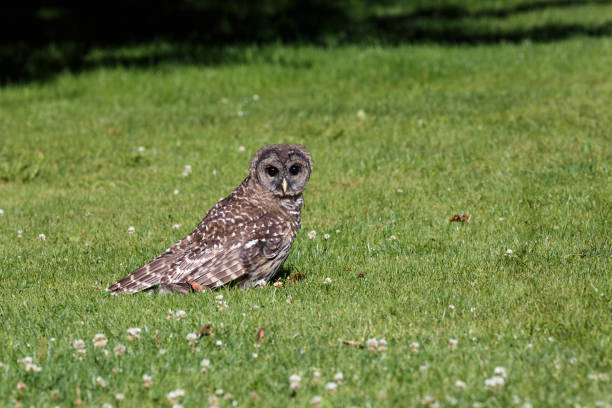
(282, 169)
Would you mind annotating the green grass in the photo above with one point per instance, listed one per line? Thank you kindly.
(520, 132)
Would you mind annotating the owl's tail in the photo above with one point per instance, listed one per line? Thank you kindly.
(143, 278)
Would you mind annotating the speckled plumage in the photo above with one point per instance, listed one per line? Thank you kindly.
(243, 239)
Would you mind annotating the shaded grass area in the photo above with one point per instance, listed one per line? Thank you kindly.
(517, 136)
(42, 40)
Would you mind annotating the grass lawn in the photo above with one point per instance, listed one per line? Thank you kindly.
(518, 136)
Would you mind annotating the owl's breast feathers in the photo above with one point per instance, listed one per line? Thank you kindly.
(242, 239)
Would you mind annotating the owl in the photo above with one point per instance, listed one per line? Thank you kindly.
(244, 239)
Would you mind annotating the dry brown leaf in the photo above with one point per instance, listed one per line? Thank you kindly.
(460, 218)
(261, 333)
(296, 277)
(196, 286)
(114, 131)
(205, 331)
(352, 343)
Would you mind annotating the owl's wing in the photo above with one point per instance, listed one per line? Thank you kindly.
(221, 265)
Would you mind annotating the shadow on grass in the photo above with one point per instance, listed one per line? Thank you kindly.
(39, 42)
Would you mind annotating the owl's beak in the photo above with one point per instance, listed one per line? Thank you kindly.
(284, 186)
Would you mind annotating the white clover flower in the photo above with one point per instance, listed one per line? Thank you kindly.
(101, 382)
(331, 387)
(277, 284)
(78, 344)
(141, 149)
(451, 307)
(119, 397)
(294, 382)
(20, 386)
(19, 233)
(428, 401)
(176, 191)
(382, 344)
(255, 97)
(472, 309)
(192, 338)
(213, 401)
(131, 230)
(99, 340)
(174, 396)
(500, 371)
(361, 114)
(399, 190)
(255, 307)
(254, 355)
(312, 234)
(218, 343)
(119, 349)
(1, 212)
(205, 364)
(326, 236)
(339, 377)
(133, 333)
(509, 251)
(180, 314)
(240, 113)
(551, 339)
(460, 385)
(414, 347)
(494, 382)
(392, 238)
(316, 400)
(327, 281)
(28, 365)
(452, 344)
(106, 405)
(219, 297)
(241, 148)
(147, 381)
(42, 237)
(598, 377)
(176, 226)
(162, 351)
(372, 344)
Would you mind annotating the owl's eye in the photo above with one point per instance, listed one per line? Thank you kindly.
(272, 171)
(295, 169)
